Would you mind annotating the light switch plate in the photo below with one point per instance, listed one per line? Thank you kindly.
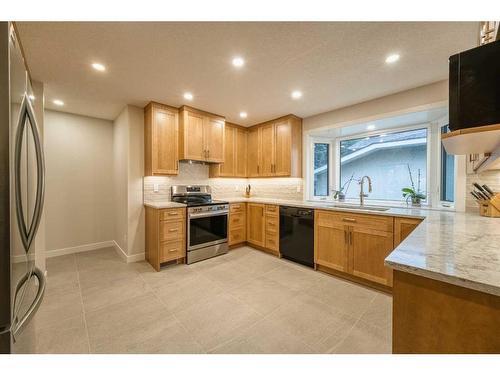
(155, 188)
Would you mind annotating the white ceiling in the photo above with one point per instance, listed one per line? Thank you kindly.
(334, 63)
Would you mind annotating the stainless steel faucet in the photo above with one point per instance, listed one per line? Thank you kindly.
(362, 194)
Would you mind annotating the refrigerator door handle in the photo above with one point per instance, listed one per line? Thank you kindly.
(19, 325)
(27, 113)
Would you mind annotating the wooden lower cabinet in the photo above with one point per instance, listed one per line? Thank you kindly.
(256, 224)
(368, 250)
(403, 226)
(434, 317)
(165, 235)
(272, 227)
(237, 228)
(354, 244)
(330, 242)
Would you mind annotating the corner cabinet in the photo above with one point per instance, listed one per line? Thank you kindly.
(161, 129)
(275, 148)
(235, 153)
(403, 226)
(201, 136)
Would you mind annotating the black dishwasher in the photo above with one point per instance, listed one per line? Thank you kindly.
(297, 234)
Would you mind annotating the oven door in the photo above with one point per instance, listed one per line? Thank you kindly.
(206, 229)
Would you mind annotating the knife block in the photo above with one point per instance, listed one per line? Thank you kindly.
(490, 207)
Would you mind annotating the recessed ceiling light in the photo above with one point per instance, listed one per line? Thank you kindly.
(392, 58)
(243, 115)
(370, 127)
(98, 67)
(296, 94)
(238, 62)
(188, 96)
(58, 102)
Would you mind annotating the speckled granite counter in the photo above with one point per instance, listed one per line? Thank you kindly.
(457, 248)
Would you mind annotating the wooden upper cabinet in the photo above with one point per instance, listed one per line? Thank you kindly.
(253, 152)
(240, 149)
(267, 143)
(201, 136)
(279, 148)
(214, 139)
(161, 129)
(282, 148)
(192, 142)
(235, 153)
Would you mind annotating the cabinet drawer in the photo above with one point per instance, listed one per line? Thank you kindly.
(172, 214)
(272, 210)
(336, 219)
(237, 207)
(171, 250)
(237, 236)
(236, 219)
(171, 230)
(272, 224)
(272, 241)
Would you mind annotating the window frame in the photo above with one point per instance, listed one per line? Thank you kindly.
(372, 133)
(331, 173)
(441, 203)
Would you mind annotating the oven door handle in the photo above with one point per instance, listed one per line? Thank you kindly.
(209, 214)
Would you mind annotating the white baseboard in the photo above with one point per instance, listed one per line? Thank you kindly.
(78, 249)
(128, 258)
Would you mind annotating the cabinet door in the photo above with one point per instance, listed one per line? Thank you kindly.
(403, 227)
(330, 244)
(369, 248)
(241, 153)
(194, 147)
(214, 139)
(255, 224)
(253, 154)
(164, 141)
(282, 148)
(228, 168)
(267, 150)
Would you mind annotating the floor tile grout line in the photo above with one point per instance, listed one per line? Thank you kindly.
(83, 306)
(179, 321)
(352, 327)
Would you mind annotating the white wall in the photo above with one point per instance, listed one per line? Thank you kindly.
(128, 170)
(79, 187)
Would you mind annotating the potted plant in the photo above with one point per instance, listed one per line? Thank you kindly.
(410, 193)
(339, 194)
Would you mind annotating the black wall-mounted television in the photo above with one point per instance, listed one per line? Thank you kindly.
(474, 96)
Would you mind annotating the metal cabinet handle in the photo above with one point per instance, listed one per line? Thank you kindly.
(348, 219)
(174, 213)
(173, 230)
(19, 324)
(28, 233)
(173, 250)
(350, 238)
(258, 169)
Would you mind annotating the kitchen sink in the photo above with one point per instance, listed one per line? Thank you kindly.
(362, 208)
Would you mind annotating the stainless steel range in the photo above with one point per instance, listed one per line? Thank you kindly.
(207, 221)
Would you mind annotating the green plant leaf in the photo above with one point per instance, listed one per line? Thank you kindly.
(408, 190)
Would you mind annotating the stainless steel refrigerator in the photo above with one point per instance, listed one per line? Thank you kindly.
(22, 284)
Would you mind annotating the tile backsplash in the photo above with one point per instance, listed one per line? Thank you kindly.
(490, 178)
(197, 174)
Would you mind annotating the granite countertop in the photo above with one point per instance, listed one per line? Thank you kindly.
(163, 204)
(457, 248)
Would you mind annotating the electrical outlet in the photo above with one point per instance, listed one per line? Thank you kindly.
(155, 188)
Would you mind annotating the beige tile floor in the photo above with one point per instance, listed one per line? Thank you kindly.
(242, 302)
